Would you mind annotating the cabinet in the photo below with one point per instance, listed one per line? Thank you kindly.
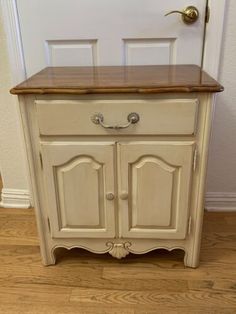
(118, 162)
(81, 188)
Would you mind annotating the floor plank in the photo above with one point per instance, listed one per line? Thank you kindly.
(83, 282)
(142, 297)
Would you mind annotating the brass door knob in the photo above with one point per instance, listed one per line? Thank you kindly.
(189, 15)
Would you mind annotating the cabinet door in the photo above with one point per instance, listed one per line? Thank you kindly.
(154, 189)
(78, 180)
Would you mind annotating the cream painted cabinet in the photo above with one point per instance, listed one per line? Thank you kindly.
(118, 157)
(152, 188)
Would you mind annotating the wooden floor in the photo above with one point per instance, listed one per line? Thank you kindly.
(85, 283)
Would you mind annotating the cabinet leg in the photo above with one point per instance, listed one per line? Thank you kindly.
(48, 258)
(190, 259)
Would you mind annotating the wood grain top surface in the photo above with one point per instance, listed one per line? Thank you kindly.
(119, 79)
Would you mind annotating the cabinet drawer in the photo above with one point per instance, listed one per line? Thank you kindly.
(164, 117)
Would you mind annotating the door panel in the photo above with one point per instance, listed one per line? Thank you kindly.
(150, 51)
(152, 189)
(104, 32)
(156, 178)
(80, 188)
(78, 176)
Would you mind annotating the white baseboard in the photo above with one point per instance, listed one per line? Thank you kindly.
(13, 198)
(220, 202)
(214, 201)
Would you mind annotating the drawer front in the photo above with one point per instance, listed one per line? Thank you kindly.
(164, 117)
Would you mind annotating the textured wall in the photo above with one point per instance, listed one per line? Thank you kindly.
(12, 162)
(222, 161)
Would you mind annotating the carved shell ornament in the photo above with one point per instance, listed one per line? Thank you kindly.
(118, 250)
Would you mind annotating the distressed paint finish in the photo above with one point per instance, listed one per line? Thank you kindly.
(187, 153)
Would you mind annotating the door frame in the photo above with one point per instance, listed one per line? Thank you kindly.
(17, 63)
(211, 62)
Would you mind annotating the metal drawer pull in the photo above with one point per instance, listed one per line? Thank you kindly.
(98, 118)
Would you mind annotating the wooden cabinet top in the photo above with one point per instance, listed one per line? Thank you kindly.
(119, 79)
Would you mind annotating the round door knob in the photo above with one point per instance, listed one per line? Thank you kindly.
(110, 196)
(124, 196)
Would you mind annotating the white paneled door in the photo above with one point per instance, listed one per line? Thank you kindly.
(108, 32)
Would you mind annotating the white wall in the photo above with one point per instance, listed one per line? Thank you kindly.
(221, 182)
(12, 158)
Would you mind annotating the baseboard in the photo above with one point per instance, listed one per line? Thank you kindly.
(13, 198)
(220, 202)
(214, 201)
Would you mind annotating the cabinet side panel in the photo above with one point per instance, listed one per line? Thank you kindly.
(30, 127)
